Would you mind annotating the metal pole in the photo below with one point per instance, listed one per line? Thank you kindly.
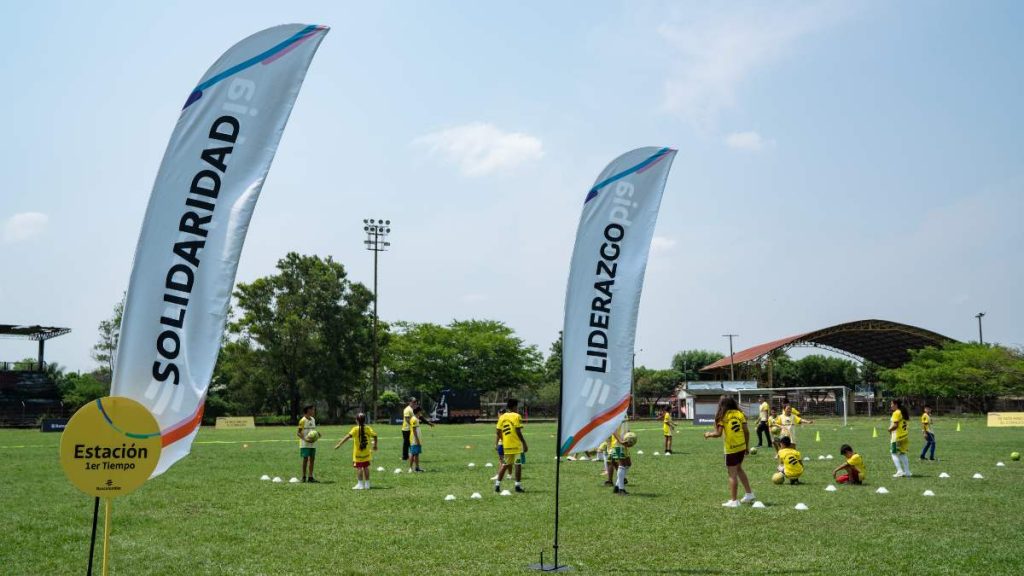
(92, 544)
(732, 372)
(632, 381)
(376, 350)
(979, 316)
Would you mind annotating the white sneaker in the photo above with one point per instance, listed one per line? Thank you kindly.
(908, 475)
(357, 487)
(898, 475)
(493, 478)
(749, 497)
(731, 504)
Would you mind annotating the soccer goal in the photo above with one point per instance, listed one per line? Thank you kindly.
(812, 402)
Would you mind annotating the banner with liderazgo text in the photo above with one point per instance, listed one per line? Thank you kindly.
(606, 277)
(195, 224)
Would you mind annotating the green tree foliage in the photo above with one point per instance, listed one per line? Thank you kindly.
(78, 389)
(818, 370)
(689, 362)
(484, 355)
(302, 334)
(957, 370)
(389, 401)
(105, 350)
(653, 385)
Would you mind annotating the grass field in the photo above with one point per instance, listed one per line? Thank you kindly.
(210, 514)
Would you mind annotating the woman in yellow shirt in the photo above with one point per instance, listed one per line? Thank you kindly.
(732, 424)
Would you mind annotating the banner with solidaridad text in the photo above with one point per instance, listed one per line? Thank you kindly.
(195, 225)
(606, 277)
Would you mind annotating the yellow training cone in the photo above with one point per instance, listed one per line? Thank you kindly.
(874, 432)
(817, 436)
(957, 425)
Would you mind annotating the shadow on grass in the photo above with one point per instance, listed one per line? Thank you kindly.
(630, 570)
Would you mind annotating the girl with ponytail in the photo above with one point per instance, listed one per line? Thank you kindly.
(361, 454)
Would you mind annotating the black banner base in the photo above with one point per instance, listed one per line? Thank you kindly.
(550, 567)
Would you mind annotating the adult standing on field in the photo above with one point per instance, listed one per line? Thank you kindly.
(762, 422)
(411, 409)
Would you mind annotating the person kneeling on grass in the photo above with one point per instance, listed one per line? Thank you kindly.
(854, 469)
(791, 464)
(361, 455)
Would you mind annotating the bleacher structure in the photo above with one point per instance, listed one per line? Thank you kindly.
(27, 393)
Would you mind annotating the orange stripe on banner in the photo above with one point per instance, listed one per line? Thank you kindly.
(185, 428)
(613, 412)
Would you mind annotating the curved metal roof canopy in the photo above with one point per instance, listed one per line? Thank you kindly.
(880, 341)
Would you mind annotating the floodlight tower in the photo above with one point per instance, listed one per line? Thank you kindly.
(377, 231)
(979, 316)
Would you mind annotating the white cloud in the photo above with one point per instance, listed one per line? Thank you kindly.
(24, 226)
(716, 50)
(750, 141)
(480, 148)
(661, 245)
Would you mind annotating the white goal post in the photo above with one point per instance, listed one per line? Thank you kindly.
(811, 401)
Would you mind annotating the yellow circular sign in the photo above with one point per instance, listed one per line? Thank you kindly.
(110, 447)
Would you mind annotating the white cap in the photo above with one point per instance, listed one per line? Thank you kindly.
(449, 497)
(881, 490)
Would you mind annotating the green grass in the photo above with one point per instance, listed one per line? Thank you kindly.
(210, 514)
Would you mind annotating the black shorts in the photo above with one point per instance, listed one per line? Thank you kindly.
(735, 459)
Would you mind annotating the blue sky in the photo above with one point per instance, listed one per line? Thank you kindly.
(837, 161)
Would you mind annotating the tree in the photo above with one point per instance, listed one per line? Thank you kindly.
(817, 370)
(689, 362)
(654, 385)
(482, 355)
(305, 331)
(78, 389)
(971, 372)
(105, 350)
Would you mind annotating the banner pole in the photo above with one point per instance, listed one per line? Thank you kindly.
(92, 542)
(106, 533)
(558, 460)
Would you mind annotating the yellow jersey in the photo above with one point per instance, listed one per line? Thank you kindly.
(926, 423)
(788, 423)
(362, 454)
(764, 408)
(306, 425)
(792, 463)
(414, 424)
(857, 462)
(901, 431)
(509, 423)
(732, 424)
(406, 415)
(666, 424)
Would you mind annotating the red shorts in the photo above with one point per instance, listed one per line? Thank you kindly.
(361, 464)
(734, 459)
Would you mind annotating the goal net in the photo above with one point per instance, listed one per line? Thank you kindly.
(819, 402)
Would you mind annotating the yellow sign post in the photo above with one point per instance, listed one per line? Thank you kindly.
(109, 448)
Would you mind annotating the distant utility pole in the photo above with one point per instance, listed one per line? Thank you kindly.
(376, 240)
(732, 372)
(979, 316)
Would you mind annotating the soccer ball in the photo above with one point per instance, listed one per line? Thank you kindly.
(775, 430)
(1015, 456)
(312, 436)
(753, 451)
(629, 439)
(778, 478)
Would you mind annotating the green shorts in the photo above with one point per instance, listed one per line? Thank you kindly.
(618, 453)
(307, 452)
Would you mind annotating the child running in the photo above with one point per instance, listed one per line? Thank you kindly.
(732, 424)
(929, 437)
(667, 426)
(854, 469)
(789, 420)
(899, 439)
(790, 462)
(361, 455)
